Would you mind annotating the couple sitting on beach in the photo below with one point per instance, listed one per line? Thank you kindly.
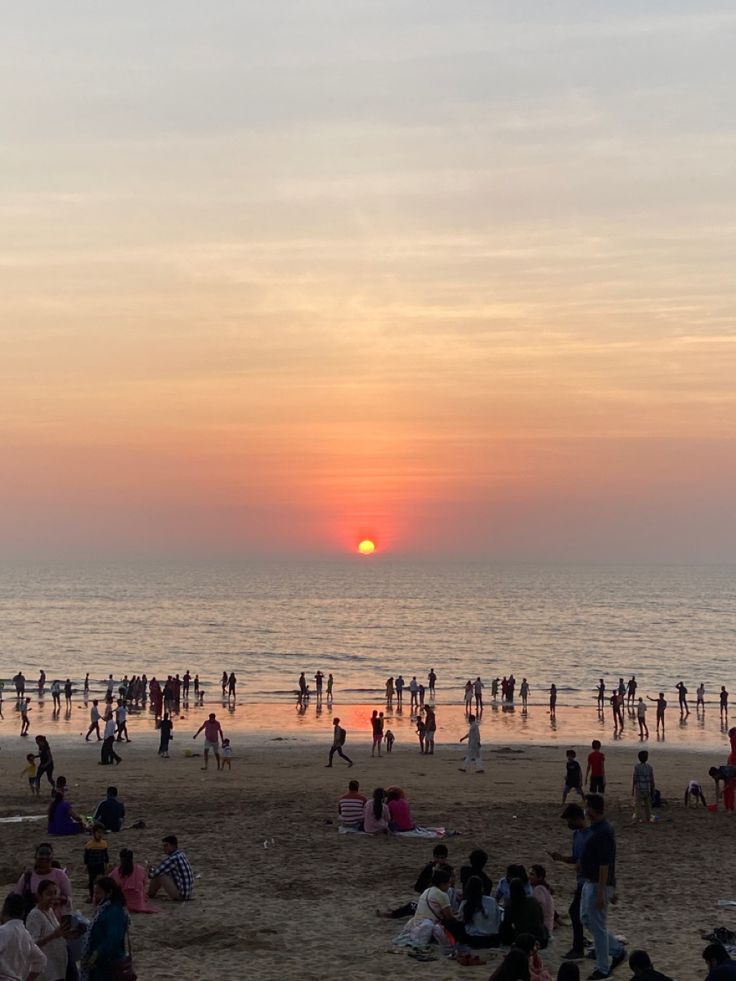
(387, 811)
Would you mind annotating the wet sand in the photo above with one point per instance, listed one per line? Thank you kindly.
(304, 906)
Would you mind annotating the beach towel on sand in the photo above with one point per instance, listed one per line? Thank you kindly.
(414, 833)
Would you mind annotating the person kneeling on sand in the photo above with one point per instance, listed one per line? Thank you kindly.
(174, 875)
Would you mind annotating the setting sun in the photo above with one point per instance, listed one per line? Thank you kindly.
(367, 547)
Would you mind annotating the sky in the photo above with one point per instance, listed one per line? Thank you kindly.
(458, 277)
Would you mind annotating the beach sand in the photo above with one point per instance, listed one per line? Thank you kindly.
(305, 906)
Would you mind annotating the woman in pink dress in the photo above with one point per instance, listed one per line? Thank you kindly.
(398, 808)
(132, 879)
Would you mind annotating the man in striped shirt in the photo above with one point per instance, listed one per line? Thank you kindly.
(351, 805)
(174, 875)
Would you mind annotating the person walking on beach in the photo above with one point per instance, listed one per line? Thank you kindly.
(20, 685)
(232, 682)
(330, 684)
(212, 737)
(432, 679)
(165, 730)
(121, 720)
(86, 686)
(56, 695)
(724, 704)
(390, 692)
(682, 696)
(186, 682)
(25, 722)
(302, 687)
(573, 776)
(107, 750)
(641, 715)
(473, 753)
(94, 721)
(615, 711)
(598, 869)
(338, 741)
(318, 679)
(41, 683)
(596, 769)
(642, 788)
(223, 682)
(68, 691)
(661, 707)
(45, 761)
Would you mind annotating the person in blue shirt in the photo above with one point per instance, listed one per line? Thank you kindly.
(574, 816)
(104, 941)
(598, 868)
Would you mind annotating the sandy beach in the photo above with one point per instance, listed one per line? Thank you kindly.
(305, 905)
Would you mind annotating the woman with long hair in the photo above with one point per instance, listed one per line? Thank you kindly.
(45, 761)
(543, 895)
(376, 814)
(530, 946)
(480, 915)
(398, 808)
(62, 819)
(48, 933)
(132, 880)
(104, 942)
(523, 914)
(514, 967)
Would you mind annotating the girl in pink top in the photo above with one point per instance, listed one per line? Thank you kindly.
(399, 810)
(543, 894)
(376, 814)
(132, 880)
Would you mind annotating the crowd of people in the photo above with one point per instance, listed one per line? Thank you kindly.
(44, 937)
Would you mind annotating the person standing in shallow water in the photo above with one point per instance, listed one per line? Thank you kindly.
(338, 741)
(432, 679)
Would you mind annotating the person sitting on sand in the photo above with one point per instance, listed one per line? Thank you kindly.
(643, 969)
(131, 879)
(424, 881)
(514, 967)
(351, 806)
(478, 860)
(530, 946)
(45, 868)
(398, 808)
(522, 914)
(503, 890)
(480, 914)
(434, 919)
(110, 812)
(543, 895)
(376, 815)
(695, 791)
(174, 875)
(62, 819)
(720, 965)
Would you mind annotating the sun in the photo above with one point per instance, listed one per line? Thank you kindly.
(367, 547)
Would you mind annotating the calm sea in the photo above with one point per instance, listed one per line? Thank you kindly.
(366, 619)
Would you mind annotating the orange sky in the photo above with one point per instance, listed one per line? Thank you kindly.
(453, 280)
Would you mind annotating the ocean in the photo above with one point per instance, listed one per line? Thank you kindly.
(370, 618)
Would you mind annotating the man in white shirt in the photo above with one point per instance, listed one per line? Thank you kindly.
(20, 958)
(108, 753)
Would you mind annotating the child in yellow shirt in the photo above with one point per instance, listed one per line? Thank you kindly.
(30, 771)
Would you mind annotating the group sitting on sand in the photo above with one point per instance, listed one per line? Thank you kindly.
(386, 811)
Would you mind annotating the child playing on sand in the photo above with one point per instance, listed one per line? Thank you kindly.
(30, 771)
(695, 791)
(227, 754)
(421, 731)
(573, 776)
(96, 857)
(25, 721)
(389, 737)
